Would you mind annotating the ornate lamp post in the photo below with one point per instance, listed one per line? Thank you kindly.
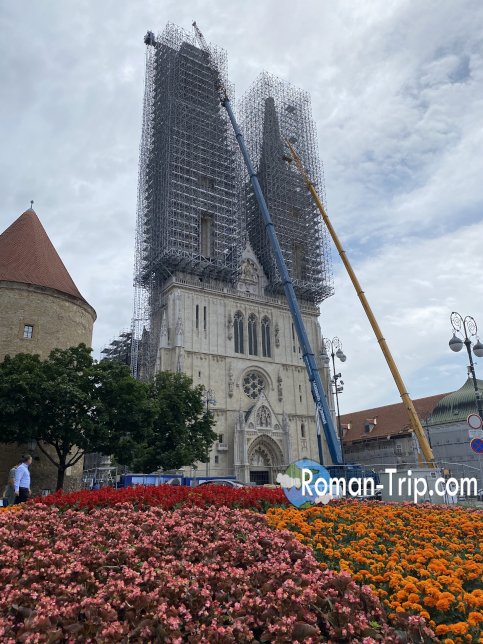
(210, 399)
(331, 349)
(467, 329)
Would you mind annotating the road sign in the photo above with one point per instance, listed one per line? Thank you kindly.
(477, 445)
(474, 421)
(475, 433)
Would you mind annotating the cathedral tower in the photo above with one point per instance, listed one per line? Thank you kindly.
(209, 301)
(272, 111)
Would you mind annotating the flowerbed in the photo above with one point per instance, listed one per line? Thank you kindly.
(192, 575)
(422, 560)
(10, 508)
(168, 497)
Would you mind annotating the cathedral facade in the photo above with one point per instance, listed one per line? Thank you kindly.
(240, 344)
(209, 299)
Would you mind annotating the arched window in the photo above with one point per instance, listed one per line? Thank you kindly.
(266, 337)
(302, 430)
(252, 335)
(238, 332)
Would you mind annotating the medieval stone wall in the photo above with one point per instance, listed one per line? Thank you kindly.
(59, 320)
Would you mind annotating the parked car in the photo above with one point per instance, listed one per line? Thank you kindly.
(228, 482)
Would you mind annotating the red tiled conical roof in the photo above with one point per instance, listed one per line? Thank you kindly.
(28, 256)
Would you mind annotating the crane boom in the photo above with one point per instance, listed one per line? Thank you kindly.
(408, 403)
(318, 394)
(200, 37)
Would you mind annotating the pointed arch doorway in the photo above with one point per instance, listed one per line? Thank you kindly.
(265, 460)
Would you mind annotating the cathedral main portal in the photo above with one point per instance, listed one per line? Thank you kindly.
(265, 458)
(260, 477)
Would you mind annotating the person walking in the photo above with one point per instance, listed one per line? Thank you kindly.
(10, 493)
(22, 480)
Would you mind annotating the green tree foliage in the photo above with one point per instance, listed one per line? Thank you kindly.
(182, 432)
(73, 404)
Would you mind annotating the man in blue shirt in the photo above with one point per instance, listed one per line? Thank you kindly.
(22, 480)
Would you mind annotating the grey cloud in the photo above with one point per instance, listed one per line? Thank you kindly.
(396, 93)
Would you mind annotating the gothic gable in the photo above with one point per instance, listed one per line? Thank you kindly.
(262, 417)
(252, 278)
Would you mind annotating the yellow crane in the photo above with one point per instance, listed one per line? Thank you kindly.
(408, 403)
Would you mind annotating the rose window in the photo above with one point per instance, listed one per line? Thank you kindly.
(253, 385)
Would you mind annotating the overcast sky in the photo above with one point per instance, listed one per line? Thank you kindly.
(397, 96)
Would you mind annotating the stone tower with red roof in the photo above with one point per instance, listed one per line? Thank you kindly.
(40, 309)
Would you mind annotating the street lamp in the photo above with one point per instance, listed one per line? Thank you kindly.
(210, 400)
(467, 329)
(331, 349)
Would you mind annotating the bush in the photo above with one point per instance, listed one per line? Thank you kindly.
(193, 575)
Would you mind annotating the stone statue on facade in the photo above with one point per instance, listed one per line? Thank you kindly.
(250, 272)
(179, 332)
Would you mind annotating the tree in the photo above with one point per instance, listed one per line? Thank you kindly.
(182, 432)
(73, 404)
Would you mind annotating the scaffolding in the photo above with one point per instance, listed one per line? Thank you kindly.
(188, 198)
(118, 349)
(271, 111)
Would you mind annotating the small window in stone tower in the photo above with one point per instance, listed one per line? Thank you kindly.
(204, 318)
(206, 182)
(238, 332)
(266, 337)
(293, 337)
(298, 260)
(205, 234)
(302, 430)
(217, 460)
(28, 331)
(197, 316)
(252, 336)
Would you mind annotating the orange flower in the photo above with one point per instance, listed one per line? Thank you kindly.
(475, 618)
(426, 561)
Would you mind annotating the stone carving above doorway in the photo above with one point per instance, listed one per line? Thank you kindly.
(260, 458)
(264, 418)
